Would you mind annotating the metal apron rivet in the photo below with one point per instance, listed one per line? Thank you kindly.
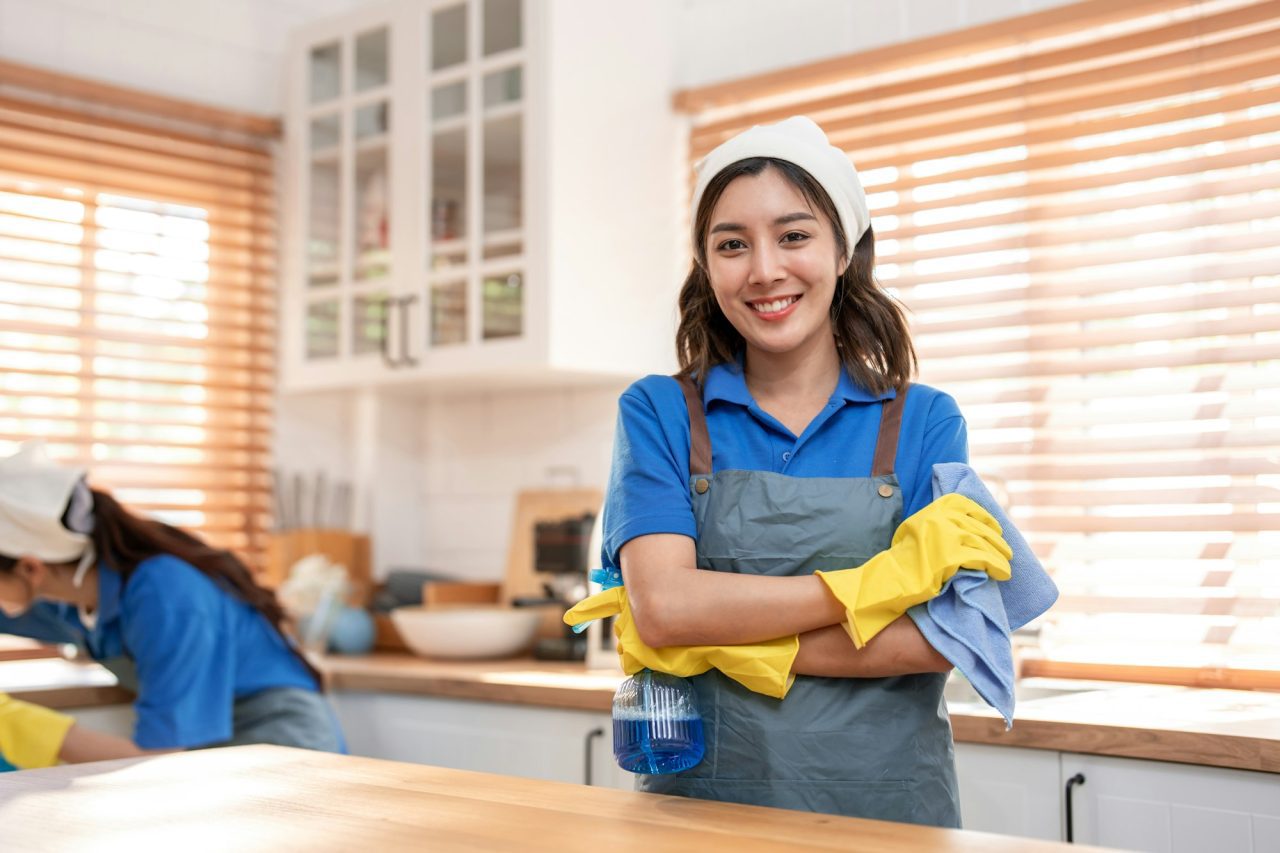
(885, 490)
(700, 486)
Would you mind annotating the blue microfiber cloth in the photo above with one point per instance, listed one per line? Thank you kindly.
(970, 620)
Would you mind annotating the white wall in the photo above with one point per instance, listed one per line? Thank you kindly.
(725, 39)
(228, 53)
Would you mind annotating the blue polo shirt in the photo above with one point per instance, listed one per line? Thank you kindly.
(197, 648)
(649, 482)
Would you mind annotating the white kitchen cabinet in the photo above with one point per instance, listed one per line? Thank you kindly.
(112, 719)
(1009, 790)
(515, 740)
(1164, 807)
(479, 192)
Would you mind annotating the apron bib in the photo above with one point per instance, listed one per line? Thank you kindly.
(861, 747)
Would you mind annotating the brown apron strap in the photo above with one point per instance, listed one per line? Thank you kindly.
(699, 438)
(887, 441)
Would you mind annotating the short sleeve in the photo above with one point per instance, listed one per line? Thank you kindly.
(185, 669)
(648, 482)
(946, 439)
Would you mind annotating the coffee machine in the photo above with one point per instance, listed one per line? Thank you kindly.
(561, 558)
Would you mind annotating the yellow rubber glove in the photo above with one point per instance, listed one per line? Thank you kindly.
(928, 548)
(764, 668)
(31, 735)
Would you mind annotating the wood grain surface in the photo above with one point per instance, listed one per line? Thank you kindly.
(276, 798)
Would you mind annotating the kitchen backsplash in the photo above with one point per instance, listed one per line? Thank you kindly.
(479, 451)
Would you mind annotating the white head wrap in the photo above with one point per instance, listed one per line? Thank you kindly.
(35, 494)
(796, 140)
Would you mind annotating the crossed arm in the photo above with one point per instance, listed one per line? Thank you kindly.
(674, 604)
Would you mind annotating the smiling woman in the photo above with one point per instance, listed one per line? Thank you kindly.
(757, 501)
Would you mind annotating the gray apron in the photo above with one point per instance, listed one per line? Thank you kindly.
(861, 747)
(285, 716)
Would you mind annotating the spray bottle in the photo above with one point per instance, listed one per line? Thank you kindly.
(656, 724)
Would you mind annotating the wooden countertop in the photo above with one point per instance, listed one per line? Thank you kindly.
(62, 684)
(1222, 728)
(276, 798)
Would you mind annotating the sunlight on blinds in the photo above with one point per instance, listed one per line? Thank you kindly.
(135, 314)
(1085, 224)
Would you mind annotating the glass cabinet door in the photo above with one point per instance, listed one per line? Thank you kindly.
(347, 196)
(475, 159)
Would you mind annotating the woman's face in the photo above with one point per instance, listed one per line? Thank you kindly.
(772, 263)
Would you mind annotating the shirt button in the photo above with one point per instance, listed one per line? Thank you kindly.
(786, 456)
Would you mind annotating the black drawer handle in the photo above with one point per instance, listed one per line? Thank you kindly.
(586, 770)
(1077, 779)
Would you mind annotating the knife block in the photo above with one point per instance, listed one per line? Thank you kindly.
(287, 547)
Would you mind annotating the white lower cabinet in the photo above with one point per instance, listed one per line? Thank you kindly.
(516, 740)
(1172, 808)
(1009, 790)
(111, 719)
(1125, 803)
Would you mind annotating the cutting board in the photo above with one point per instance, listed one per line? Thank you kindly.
(533, 506)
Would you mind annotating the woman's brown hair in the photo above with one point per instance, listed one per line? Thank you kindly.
(870, 327)
(122, 540)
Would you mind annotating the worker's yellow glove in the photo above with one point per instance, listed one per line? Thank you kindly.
(762, 667)
(31, 735)
(950, 534)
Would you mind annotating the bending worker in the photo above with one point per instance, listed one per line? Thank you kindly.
(181, 623)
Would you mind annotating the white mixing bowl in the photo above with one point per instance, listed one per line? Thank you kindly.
(461, 633)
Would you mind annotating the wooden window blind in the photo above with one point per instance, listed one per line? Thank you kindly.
(137, 279)
(1081, 209)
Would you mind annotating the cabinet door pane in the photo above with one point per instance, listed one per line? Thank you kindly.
(502, 25)
(369, 323)
(373, 120)
(448, 198)
(371, 60)
(326, 132)
(502, 174)
(449, 101)
(322, 329)
(324, 207)
(503, 87)
(325, 71)
(448, 313)
(448, 37)
(503, 307)
(371, 214)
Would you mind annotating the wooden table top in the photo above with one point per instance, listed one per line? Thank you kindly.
(277, 798)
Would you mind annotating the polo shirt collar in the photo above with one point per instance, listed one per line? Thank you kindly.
(728, 382)
(109, 590)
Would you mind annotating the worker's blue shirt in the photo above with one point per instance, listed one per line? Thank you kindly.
(649, 481)
(197, 647)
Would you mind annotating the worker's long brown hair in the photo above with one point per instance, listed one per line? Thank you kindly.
(122, 540)
(869, 326)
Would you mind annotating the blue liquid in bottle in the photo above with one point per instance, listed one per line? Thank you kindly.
(656, 724)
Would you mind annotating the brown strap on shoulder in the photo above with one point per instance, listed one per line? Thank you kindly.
(887, 441)
(699, 438)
